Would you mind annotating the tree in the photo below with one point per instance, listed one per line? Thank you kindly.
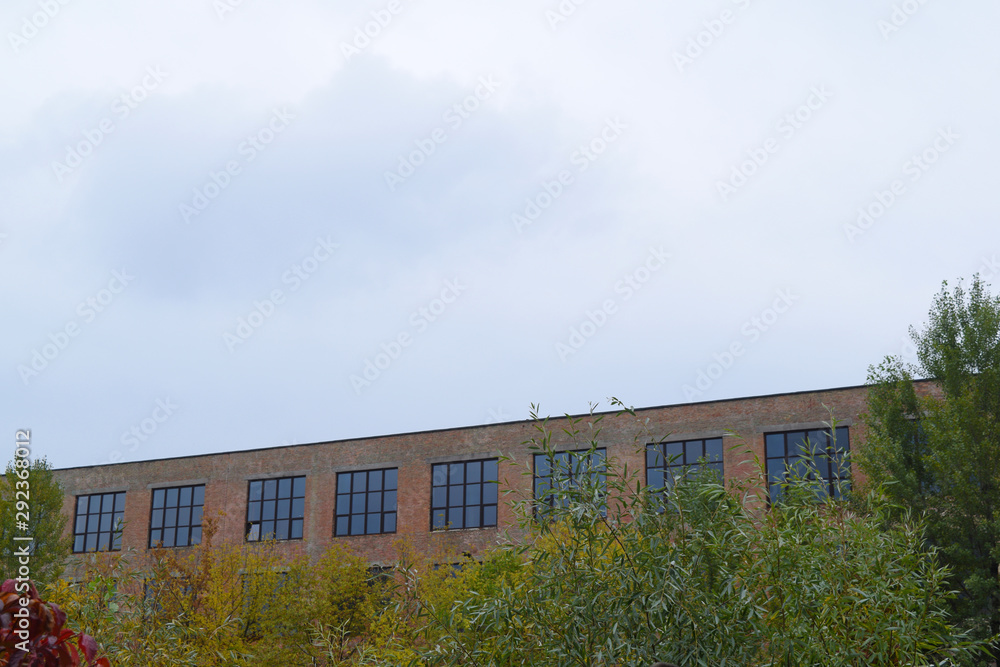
(938, 450)
(46, 524)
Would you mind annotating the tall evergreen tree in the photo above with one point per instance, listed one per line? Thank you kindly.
(940, 449)
(45, 522)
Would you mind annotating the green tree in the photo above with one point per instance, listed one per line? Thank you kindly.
(938, 447)
(44, 497)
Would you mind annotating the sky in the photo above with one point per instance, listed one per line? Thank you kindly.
(235, 224)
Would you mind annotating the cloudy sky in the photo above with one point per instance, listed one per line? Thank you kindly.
(230, 224)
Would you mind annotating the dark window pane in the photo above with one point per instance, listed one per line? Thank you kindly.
(107, 503)
(170, 517)
(154, 537)
(267, 509)
(472, 517)
(375, 480)
(344, 482)
(360, 482)
(199, 495)
(776, 470)
(253, 512)
(775, 444)
(473, 471)
(490, 471)
(81, 505)
(255, 490)
(654, 477)
(358, 503)
(298, 508)
(91, 542)
(172, 497)
(93, 523)
(375, 501)
(156, 520)
(267, 530)
(455, 517)
(196, 516)
(389, 479)
(270, 489)
(343, 504)
(796, 443)
(654, 457)
(472, 494)
(843, 442)
(106, 522)
(374, 524)
(285, 488)
(490, 492)
(456, 473)
(675, 453)
(390, 501)
(284, 508)
(196, 535)
(296, 531)
(104, 542)
(184, 516)
(438, 519)
(343, 525)
(81, 524)
(389, 523)
(281, 529)
(299, 487)
(543, 465)
(490, 515)
(358, 524)
(439, 496)
(158, 495)
(182, 536)
(185, 498)
(168, 537)
(454, 496)
(713, 449)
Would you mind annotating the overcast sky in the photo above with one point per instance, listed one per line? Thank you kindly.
(234, 224)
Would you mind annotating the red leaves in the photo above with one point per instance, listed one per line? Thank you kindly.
(39, 627)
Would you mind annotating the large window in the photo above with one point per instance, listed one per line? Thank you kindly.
(275, 509)
(175, 517)
(366, 502)
(563, 471)
(814, 454)
(98, 525)
(464, 494)
(666, 462)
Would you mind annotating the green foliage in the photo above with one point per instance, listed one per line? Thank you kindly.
(704, 575)
(46, 523)
(939, 455)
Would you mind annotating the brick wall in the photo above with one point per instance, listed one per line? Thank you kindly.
(226, 475)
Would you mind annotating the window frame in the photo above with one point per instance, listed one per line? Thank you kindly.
(663, 460)
(382, 512)
(549, 501)
(447, 484)
(833, 485)
(115, 529)
(165, 508)
(248, 535)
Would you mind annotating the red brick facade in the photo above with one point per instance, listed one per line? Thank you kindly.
(226, 475)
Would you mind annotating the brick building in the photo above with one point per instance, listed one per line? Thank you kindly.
(447, 490)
